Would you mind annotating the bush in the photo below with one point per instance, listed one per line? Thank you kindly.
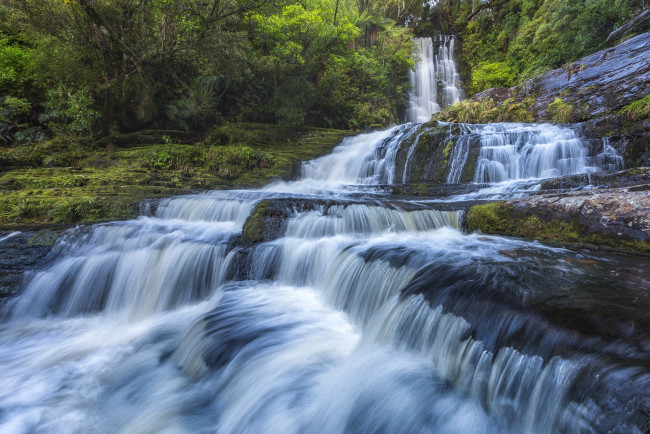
(230, 162)
(174, 158)
(492, 74)
(486, 110)
(70, 111)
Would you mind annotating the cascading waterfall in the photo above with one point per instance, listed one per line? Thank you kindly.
(523, 151)
(435, 81)
(364, 314)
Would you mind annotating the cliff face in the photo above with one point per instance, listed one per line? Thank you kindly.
(597, 84)
(594, 86)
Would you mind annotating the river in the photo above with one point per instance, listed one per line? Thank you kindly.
(363, 313)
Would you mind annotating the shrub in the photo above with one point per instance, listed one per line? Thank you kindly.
(486, 110)
(492, 74)
(230, 162)
(173, 157)
(70, 111)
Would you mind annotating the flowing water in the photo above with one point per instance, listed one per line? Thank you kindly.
(435, 81)
(364, 314)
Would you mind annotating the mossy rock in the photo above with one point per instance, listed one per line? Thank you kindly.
(503, 218)
(264, 223)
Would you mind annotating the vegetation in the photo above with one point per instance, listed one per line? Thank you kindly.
(560, 111)
(58, 182)
(486, 111)
(503, 219)
(637, 110)
(85, 68)
(505, 42)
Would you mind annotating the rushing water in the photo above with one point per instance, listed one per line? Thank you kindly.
(366, 314)
(435, 80)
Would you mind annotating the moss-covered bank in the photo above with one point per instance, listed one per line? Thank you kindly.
(75, 182)
(617, 219)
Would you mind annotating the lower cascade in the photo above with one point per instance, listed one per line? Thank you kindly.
(354, 311)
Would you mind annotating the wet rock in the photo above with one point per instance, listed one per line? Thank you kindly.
(496, 94)
(630, 139)
(623, 178)
(425, 158)
(613, 218)
(597, 84)
(20, 252)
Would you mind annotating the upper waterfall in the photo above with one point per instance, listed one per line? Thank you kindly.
(435, 81)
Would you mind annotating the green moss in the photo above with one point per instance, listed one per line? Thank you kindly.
(44, 237)
(637, 110)
(107, 183)
(501, 219)
(253, 229)
(468, 170)
(448, 148)
(560, 111)
(489, 218)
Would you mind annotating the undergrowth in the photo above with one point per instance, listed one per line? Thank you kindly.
(487, 111)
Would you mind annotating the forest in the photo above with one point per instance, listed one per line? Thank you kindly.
(83, 69)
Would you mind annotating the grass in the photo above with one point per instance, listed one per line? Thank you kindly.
(637, 110)
(561, 112)
(64, 182)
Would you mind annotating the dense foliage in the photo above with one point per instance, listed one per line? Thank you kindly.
(87, 68)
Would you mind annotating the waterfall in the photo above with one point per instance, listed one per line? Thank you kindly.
(609, 158)
(363, 313)
(435, 81)
(459, 154)
(523, 151)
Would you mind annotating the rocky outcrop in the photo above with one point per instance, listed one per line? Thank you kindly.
(631, 140)
(616, 218)
(426, 157)
(595, 85)
(19, 252)
(623, 178)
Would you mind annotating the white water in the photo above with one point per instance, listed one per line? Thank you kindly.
(169, 323)
(435, 81)
(514, 158)
(514, 152)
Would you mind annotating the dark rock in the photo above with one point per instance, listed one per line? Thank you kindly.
(424, 158)
(497, 94)
(629, 139)
(624, 178)
(597, 84)
(20, 252)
